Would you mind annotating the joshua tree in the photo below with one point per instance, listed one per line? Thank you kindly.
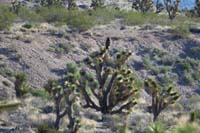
(65, 98)
(172, 7)
(111, 90)
(97, 4)
(197, 8)
(143, 5)
(161, 97)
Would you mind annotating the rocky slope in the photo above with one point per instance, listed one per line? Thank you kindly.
(33, 52)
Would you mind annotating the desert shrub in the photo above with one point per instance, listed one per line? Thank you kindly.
(8, 105)
(97, 4)
(45, 128)
(103, 15)
(188, 79)
(29, 15)
(79, 20)
(134, 18)
(6, 17)
(21, 87)
(40, 93)
(181, 29)
(53, 14)
(156, 127)
(188, 128)
(27, 25)
(61, 48)
(6, 83)
(196, 75)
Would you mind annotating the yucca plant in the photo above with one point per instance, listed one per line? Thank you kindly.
(111, 89)
(21, 87)
(65, 98)
(197, 8)
(161, 97)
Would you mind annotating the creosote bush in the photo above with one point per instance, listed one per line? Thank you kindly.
(65, 98)
(112, 86)
(161, 97)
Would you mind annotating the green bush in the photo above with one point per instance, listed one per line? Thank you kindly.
(103, 15)
(29, 15)
(181, 29)
(53, 14)
(186, 129)
(80, 20)
(6, 17)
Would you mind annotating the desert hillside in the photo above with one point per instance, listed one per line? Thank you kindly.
(44, 54)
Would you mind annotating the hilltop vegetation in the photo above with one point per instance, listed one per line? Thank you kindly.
(99, 68)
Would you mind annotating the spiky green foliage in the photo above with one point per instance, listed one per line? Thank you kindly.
(65, 98)
(113, 83)
(143, 5)
(172, 7)
(161, 97)
(21, 87)
(194, 116)
(97, 4)
(156, 127)
(6, 105)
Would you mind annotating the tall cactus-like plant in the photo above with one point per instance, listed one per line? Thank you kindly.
(143, 5)
(161, 97)
(111, 90)
(65, 98)
(159, 6)
(197, 8)
(15, 6)
(172, 7)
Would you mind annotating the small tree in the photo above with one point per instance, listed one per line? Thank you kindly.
(172, 7)
(65, 98)
(143, 5)
(97, 4)
(113, 84)
(161, 97)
